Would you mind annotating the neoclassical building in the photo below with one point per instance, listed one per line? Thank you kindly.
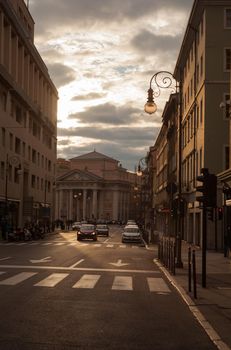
(93, 186)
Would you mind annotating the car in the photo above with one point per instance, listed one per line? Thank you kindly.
(131, 233)
(87, 231)
(131, 222)
(102, 229)
(76, 225)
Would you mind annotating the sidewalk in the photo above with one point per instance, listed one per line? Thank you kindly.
(214, 301)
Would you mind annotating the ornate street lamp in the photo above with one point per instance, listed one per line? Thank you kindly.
(165, 80)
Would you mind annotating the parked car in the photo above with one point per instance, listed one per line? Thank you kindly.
(131, 233)
(76, 225)
(87, 231)
(102, 229)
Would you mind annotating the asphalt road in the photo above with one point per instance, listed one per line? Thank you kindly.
(59, 293)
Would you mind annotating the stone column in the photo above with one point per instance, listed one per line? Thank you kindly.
(115, 205)
(94, 204)
(70, 214)
(60, 203)
(56, 204)
(84, 204)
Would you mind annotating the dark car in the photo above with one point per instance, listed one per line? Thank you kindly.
(87, 231)
(102, 230)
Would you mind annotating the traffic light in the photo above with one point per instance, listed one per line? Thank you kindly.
(204, 187)
(212, 188)
(210, 213)
(220, 213)
(208, 188)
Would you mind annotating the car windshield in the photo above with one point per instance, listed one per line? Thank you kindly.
(101, 226)
(132, 229)
(87, 227)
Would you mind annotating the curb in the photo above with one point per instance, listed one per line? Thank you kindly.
(212, 334)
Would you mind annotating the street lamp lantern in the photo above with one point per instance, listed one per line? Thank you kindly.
(150, 107)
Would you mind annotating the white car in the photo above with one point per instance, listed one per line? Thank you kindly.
(76, 225)
(131, 233)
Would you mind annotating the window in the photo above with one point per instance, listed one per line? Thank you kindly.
(226, 157)
(23, 149)
(33, 180)
(228, 18)
(227, 59)
(29, 150)
(2, 170)
(18, 114)
(3, 137)
(11, 142)
(34, 156)
(227, 106)
(17, 145)
(201, 111)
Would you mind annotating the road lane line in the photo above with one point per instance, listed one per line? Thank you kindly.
(122, 246)
(52, 280)
(67, 268)
(72, 244)
(87, 281)
(6, 258)
(122, 283)
(109, 245)
(157, 285)
(60, 243)
(77, 263)
(11, 281)
(48, 243)
(98, 245)
(2, 272)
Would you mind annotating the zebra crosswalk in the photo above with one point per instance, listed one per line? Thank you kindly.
(87, 281)
(72, 244)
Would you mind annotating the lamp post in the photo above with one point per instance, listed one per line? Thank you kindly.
(165, 80)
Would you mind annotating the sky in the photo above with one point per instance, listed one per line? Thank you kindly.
(101, 55)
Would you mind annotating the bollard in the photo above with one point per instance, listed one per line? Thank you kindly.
(194, 275)
(189, 269)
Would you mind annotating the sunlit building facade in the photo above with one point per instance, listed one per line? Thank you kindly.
(203, 68)
(28, 118)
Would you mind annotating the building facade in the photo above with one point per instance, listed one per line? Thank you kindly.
(93, 187)
(28, 118)
(203, 68)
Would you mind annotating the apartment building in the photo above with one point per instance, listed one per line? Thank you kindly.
(165, 188)
(28, 118)
(203, 68)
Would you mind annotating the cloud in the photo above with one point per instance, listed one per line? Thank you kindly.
(146, 41)
(107, 114)
(90, 96)
(61, 74)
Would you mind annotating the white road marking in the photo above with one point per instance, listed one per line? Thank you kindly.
(87, 281)
(122, 283)
(19, 244)
(135, 246)
(66, 268)
(119, 263)
(43, 260)
(157, 285)
(77, 263)
(11, 281)
(122, 246)
(51, 280)
(72, 243)
(34, 243)
(48, 243)
(60, 243)
(110, 245)
(7, 258)
(97, 245)
(2, 272)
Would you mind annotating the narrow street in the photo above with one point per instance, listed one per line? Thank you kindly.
(59, 293)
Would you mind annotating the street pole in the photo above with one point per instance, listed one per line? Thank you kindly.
(204, 245)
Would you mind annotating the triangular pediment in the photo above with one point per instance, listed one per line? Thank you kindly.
(79, 175)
